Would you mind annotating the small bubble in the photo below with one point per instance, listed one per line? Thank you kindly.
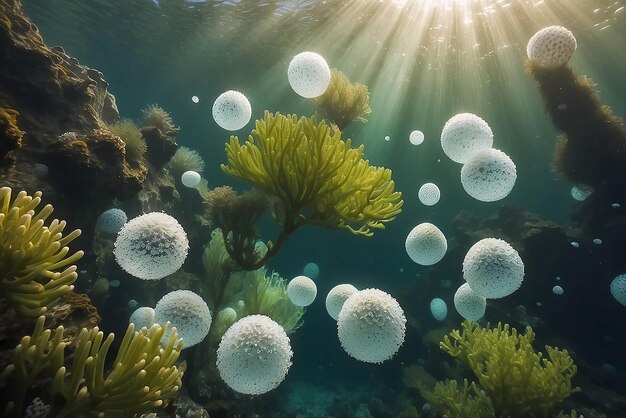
(133, 303)
(539, 304)
(562, 106)
(597, 241)
(114, 283)
(574, 244)
(387, 138)
(558, 290)
(616, 205)
(195, 99)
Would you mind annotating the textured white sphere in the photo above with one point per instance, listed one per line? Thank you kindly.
(469, 304)
(426, 244)
(429, 194)
(558, 290)
(493, 268)
(111, 221)
(254, 355)
(232, 110)
(301, 291)
(337, 297)
(191, 179)
(416, 137)
(581, 193)
(371, 326)
(551, 47)
(186, 311)
(463, 135)
(308, 74)
(438, 309)
(142, 317)
(618, 289)
(151, 246)
(311, 270)
(489, 175)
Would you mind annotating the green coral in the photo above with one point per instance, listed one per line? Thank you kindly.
(185, 159)
(134, 143)
(143, 374)
(518, 381)
(452, 401)
(155, 115)
(35, 268)
(315, 177)
(344, 102)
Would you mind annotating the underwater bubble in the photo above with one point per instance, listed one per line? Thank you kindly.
(574, 244)
(438, 309)
(187, 312)
(114, 283)
(308, 74)
(558, 290)
(232, 110)
(416, 137)
(597, 241)
(618, 289)
(557, 278)
(493, 268)
(387, 138)
(336, 297)
(195, 99)
(429, 194)
(133, 303)
(580, 192)
(142, 317)
(311, 270)
(401, 270)
(551, 47)
(191, 179)
(426, 244)
(539, 304)
(616, 205)
(489, 175)
(111, 221)
(468, 303)
(465, 134)
(301, 291)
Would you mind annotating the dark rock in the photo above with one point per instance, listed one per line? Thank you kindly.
(161, 147)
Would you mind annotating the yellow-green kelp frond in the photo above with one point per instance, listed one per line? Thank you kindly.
(344, 102)
(519, 381)
(318, 177)
(33, 254)
(451, 401)
(142, 377)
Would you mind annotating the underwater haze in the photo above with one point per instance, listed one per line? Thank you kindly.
(219, 167)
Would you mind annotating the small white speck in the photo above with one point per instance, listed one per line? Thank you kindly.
(557, 278)
(574, 244)
(616, 205)
(539, 304)
(597, 241)
(387, 138)
(195, 99)
(562, 106)
(558, 290)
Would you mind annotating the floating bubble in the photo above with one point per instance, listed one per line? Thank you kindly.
(426, 244)
(597, 241)
(191, 179)
(387, 138)
(489, 175)
(616, 205)
(438, 309)
(195, 99)
(311, 270)
(416, 137)
(232, 110)
(580, 192)
(308, 74)
(574, 244)
(558, 290)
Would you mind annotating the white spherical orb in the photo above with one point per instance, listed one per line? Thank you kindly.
(311, 270)
(558, 290)
(618, 289)
(195, 99)
(232, 110)
(581, 193)
(191, 179)
(254, 355)
(489, 175)
(551, 47)
(111, 221)
(301, 291)
(142, 317)
(387, 138)
(463, 135)
(426, 244)
(151, 246)
(469, 304)
(493, 268)
(186, 311)
(438, 309)
(371, 326)
(308, 74)
(416, 137)
(429, 194)
(337, 297)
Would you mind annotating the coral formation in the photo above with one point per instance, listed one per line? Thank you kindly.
(154, 115)
(134, 144)
(142, 376)
(31, 254)
(344, 102)
(452, 401)
(316, 178)
(518, 381)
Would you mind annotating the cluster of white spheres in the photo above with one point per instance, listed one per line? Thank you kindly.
(469, 304)
(311, 270)
(438, 309)
(465, 134)
(301, 291)
(493, 269)
(186, 311)
(618, 289)
(308, 74)
(336, 297)
(232, 110)
(151, 246)
(489, 175)
(371, 326)
(551, 47)
(142, 317)
(426, 244)
(111, 221)
(429, 194)
(254, 355)
(416, 137)
(191, 179)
